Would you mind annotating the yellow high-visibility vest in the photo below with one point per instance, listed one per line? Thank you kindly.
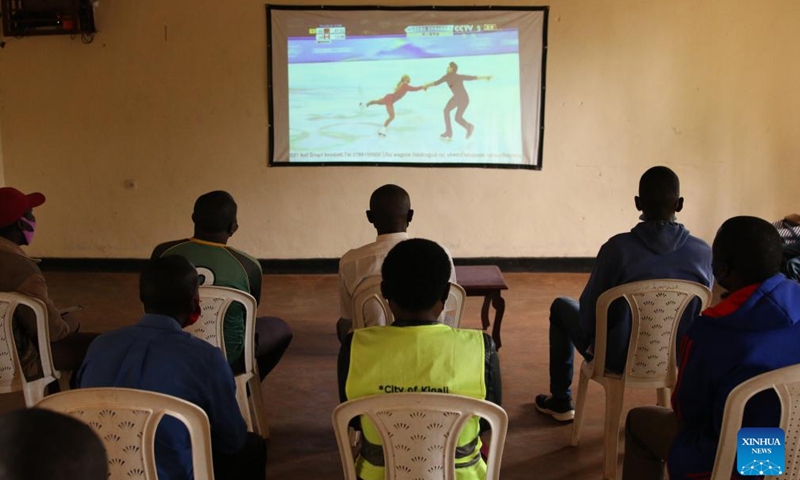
(426, 358)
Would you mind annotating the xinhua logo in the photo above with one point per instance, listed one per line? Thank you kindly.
(761, 451)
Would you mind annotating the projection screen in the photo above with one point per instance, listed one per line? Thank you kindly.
(412, 87)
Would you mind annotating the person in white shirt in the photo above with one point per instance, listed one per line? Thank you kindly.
(390, 213)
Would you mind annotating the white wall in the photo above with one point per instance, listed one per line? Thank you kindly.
(172, 94)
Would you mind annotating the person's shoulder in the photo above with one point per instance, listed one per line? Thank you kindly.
(244, 256)
(162, 248)
(354, 254)
(699, 244)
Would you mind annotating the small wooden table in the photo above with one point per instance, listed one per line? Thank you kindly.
(485, 281)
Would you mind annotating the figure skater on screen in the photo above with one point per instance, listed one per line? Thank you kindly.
(403, 87)
(459, 101)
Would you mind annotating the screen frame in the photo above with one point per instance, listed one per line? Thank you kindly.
(270, 112)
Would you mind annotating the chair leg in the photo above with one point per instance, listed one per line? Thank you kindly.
(614, 398)
(241, 400)
(664, 397)
(260, 424)
(577, 423)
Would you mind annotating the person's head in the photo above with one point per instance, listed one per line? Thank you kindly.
(746, 251)
(659, 194)
(214, 216)
(416, 279)
(452, 67)
(17, 222)
(37, 444)
(390, 209)
(405, 79)
(168, 286)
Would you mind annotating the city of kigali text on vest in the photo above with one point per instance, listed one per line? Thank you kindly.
(413, 389)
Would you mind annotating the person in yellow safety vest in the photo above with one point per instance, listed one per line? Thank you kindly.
(418, 354)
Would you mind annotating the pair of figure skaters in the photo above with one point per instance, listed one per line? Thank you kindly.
(458, 102)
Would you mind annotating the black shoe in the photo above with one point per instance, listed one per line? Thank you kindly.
(561, 410)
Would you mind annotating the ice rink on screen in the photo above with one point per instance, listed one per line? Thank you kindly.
(327, 125)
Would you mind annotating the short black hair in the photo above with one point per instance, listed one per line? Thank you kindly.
(391, 200)
(750, 247)
(38, 444)
(659, 190)
(214, 212)
(416, 274)
(167, 285)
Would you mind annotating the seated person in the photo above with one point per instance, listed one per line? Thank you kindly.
(38, 444)
(218, 264)
(754, 330)
(658, 247)
(390, 213)
(156, 355)
(789, 230)
(416, 283)
(20, 273)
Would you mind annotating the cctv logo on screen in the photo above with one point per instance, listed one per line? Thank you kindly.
(761, 451)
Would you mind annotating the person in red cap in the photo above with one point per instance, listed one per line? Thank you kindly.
(19, 273)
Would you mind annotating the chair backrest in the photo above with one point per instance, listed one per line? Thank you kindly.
(214, 303)
(786, 383)
(126, 421)
(420, 432)
(368, 302)
(656, 310)
(12, 379)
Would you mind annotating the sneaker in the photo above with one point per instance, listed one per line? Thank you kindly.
(382, 132)
(446, 136)
(470, 129)
(561, 410)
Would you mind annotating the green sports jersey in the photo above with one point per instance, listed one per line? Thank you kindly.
(223, 266)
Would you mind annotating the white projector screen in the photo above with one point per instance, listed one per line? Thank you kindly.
(431, 86)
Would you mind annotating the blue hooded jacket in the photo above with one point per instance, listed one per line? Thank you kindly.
(650, 250)
(723, 348)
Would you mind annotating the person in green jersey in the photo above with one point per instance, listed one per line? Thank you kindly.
(218, 264)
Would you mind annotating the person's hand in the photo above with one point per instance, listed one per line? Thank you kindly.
(488, 77)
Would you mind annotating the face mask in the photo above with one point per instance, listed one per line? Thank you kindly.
(28, 233)
(195, 315)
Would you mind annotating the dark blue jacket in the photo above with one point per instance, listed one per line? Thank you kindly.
(723, 348)
(651, 250)
(156, 355)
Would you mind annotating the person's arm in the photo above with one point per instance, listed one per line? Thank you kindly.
(494, 384)
(345, 298)
(415, 89)
(437, 82)
(343, 366)
(605, 275)
(252, 268)
(228, 428)
(693, 397)
(793, 218)
(58, 327)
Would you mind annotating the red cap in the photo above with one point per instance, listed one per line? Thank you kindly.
(14, 204)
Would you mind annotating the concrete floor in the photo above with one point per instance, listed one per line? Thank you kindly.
(301, 392)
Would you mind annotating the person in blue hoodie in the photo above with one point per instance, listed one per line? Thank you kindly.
(658, 247)
(753, 330)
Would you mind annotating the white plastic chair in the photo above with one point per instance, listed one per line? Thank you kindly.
(656, 310)
(214, 302)
(126, 421)
(12, 378)
(368, 302)
(420, 432)
(786, 383)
